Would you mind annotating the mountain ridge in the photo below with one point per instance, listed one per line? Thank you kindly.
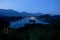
(10, 12)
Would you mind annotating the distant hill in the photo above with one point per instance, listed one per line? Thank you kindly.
(10, 12)
(4, 12)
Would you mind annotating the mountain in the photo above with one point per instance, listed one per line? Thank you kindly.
(10, 12)
(30, 14)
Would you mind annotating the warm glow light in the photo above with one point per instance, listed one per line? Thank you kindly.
(32, 18)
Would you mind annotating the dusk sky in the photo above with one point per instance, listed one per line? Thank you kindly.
(32, 6)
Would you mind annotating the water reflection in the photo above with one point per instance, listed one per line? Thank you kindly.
(21, 23)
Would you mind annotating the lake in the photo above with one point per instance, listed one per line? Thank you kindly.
(21, 23)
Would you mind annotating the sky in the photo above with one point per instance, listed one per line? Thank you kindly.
(32, 6)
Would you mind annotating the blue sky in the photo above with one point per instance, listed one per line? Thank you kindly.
(32, 6)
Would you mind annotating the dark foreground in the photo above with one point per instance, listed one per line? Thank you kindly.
(31, 32)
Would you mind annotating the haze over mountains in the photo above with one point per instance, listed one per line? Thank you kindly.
(10, 12)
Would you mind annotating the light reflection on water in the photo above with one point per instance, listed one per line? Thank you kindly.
(21, 23)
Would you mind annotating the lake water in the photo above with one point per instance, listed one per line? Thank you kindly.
(21, 23)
